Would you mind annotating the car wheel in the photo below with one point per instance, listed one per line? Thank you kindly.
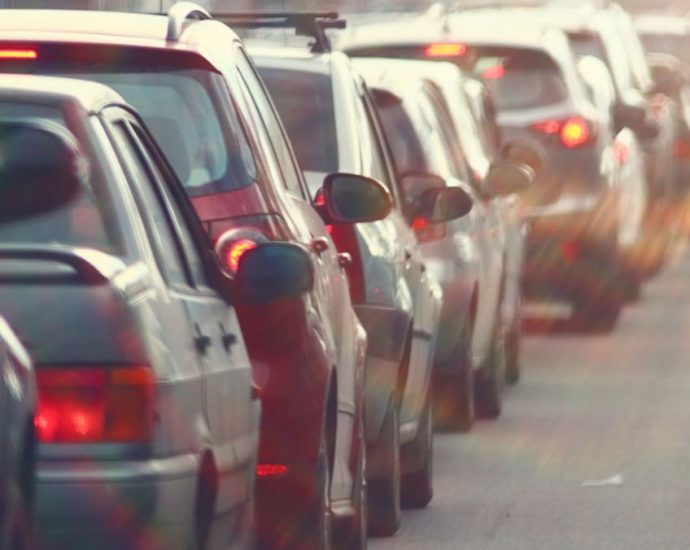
(599, 311)
(384, 492)
(417, 487)
(356, 536)
(454, 394)
(491, 381)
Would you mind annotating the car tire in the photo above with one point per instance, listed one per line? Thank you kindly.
(599, 311)
(417, 489)
(491, 380)
(384, 493)
(454, 393)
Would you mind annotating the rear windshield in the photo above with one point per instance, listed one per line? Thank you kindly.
(305, 103)
(178, 97)
(520, 78)
(678, 45)
(87, 220)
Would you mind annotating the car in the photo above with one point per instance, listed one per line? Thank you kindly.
(664, 38)
(464, 255)
(145, 400)
(572, 222)
(393, 294)
(17, 442)
(474, 130)
(189, 76)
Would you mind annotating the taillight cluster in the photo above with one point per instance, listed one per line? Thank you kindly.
(572, 133)
(95, 405)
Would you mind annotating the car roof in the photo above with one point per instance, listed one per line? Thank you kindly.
(662, 24)
(475, 26)
(277, 56)
(89, 95)
(112, 28)
(438, 71)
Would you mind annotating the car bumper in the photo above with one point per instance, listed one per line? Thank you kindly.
(565, 252)
(104, 506)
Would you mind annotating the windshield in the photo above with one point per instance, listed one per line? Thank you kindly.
(86, 220)
(181, 105)
(305, 103)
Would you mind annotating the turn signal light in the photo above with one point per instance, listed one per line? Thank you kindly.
(94, 405)
(446, 49)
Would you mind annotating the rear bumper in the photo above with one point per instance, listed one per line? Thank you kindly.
(104, 506)
(565, 253)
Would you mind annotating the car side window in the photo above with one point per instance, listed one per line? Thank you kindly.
(187, 241)
(276, 133)
(166, 245)
(372, 155)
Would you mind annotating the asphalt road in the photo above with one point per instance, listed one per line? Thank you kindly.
(589, 409)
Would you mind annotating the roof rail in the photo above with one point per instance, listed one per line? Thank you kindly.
(180, 13)
(311, 24)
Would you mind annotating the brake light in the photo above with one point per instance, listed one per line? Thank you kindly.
(446, 49)
(428, 232)
(573, 132)
(235, 251)
(94, 405)
(681, 149)
(494, 73)
(18, 53)
(271, 470)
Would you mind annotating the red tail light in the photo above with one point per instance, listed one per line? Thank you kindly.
(428, 232)
(494, 73)
(18, 53)
(235, 251)
(95, 405)
(681, 149)
(573, 132)
(446, 49)
(271, 470)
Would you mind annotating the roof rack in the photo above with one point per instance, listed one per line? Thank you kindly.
(311, 24)
(179, 14)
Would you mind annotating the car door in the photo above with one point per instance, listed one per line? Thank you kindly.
(225, 369)
(411, 265)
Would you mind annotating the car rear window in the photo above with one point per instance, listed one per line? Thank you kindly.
(305, 103)
(178, 96)
(520, 78)
(87, 221)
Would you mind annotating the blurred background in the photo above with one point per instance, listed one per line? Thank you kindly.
(677, 6)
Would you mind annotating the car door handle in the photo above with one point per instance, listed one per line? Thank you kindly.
(229, 340)
(256, 392)
(201, 342)
(422, 268)
(408, 255)
(319, 245)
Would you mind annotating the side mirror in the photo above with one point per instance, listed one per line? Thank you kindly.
(443, 205)
(272, 272)
(523, 151)
(41, 170)
(350, 198)
(667, 74)
(507, 178)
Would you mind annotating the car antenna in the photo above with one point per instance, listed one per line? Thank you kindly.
(310, 24)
